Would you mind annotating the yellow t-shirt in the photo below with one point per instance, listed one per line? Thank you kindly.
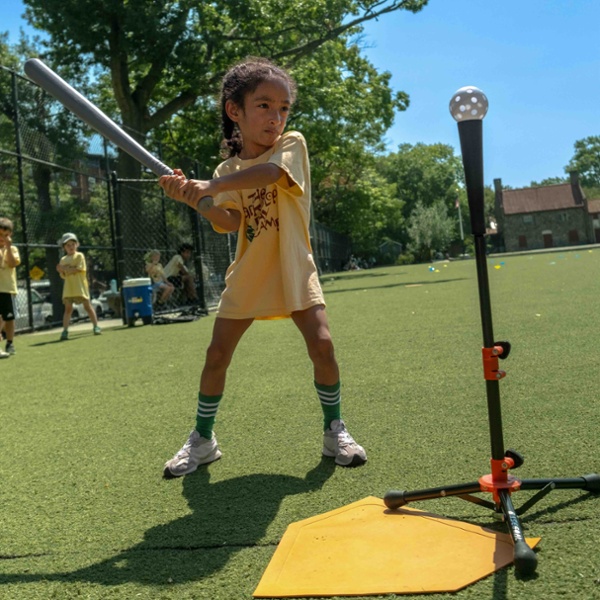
(156, 272)
(273, 273)
(76, 284)
(8, 275)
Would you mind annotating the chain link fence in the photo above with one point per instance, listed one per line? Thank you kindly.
(58, 176)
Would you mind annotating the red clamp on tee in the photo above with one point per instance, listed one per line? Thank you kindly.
(490, 363)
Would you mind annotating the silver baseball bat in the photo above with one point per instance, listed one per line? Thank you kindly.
(79, 105)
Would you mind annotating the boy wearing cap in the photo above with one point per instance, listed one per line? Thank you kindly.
(72, 269)
(9, 261)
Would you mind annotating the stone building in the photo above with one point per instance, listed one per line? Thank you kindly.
(545, 217)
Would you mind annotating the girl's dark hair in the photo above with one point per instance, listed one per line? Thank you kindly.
(240, 80)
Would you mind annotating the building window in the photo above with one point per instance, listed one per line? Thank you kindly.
(573, 236)
(562, 217)
(528, 219)
(522, 242)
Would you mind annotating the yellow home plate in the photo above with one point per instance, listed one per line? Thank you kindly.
(365, 549)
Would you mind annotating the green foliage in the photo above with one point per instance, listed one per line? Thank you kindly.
(424, 174)
(549, 181)
(361, 204)
(430, 229)
(586, 161)
(158, 66)
(406, 258)
(591, 192)
(163, 59)
(469, 245)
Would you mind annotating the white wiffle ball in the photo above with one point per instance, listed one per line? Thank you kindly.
(468, 103)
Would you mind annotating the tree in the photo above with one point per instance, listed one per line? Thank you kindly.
(163, 59)
(549, 181)
(586, 161)
(424, 176)
(430, 229)
(424, 173)
(365, 209)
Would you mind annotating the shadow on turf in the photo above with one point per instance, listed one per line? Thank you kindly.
(327, 278)
(72, 338)
(393, 285)
(226, 517)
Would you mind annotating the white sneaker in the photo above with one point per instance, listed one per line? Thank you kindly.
(195, 452)
(4, 354)
(338, 443)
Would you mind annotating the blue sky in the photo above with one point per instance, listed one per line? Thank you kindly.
(538, 62)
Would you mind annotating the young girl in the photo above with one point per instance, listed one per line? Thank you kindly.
(9, 261)
(160, 285)
(72, 269)
(263, 192)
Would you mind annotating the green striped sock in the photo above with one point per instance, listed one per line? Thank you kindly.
(330, 398)
(207, 412)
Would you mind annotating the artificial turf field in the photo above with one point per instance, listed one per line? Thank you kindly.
(87, 424)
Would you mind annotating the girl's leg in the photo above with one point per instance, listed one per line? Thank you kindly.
(225, 337)
(89, 309)
(9, 331)
(166, 289)
(314, 326)
(337, 442)
(201, 447)
(67, 314)
(165, 292)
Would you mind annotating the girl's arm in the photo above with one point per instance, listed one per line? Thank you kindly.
(254, 177)
(190, 191)
(71, 269)
(10, 259)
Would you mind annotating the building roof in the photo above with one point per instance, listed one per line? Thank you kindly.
(594, 206)
(537, 199)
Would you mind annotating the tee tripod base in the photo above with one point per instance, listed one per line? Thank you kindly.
(501, 485)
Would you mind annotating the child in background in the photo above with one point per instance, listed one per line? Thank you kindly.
(160, 285)
(179, 275)
(9, 261)
(72, 269)
(263, 192)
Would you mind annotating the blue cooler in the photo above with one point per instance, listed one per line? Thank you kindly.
(137, 299)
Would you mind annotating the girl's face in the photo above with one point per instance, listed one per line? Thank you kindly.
(156, 257)
(70, 247)
(263, 117)
(4, 235)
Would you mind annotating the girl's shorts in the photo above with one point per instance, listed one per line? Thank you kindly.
(7, 306)
(74, 300)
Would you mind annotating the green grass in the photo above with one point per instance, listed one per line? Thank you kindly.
(87, 425)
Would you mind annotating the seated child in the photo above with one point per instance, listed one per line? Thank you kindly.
(161, 286)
